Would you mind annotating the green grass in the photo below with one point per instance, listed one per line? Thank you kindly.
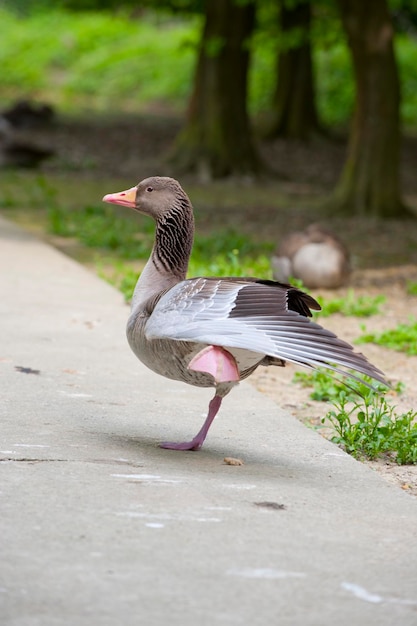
(362, 421)
(403, 338)
(411, 288)
(97, 226)
(325, 387)
(351, 305)
(104, 60)
(124, 276)
(229, 253)
(370, 428)
(231, 263)
(222, 253)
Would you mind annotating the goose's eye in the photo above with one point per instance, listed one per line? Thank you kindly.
(149, 189)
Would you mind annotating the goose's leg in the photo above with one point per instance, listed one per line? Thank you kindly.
(197, 442)
(222, 365)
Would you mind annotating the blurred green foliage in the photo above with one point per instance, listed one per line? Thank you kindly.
(412, 288)
(132, 60)
(96, 58)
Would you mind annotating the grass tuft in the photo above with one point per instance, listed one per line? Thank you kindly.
(362, 421)
(325, 387)
(370, 428)
(351, 305)
(403, 338)
(412, 288)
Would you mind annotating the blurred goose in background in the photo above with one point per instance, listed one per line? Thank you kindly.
(17, 151)
(214, 332)
(17, 148)
(27, 114)
(315, 256)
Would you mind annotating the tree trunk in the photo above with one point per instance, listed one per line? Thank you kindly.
(216, 140)
(294, 113)
(369, 184)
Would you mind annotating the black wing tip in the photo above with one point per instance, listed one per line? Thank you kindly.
(298, 300)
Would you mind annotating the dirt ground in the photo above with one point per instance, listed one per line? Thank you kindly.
(384, 253)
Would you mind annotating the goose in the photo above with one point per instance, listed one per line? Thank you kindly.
(315, 255)
(210, 331)
(18, 152)
(27, 114)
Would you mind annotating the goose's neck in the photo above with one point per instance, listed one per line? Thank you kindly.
(174, 240)
(171, 252)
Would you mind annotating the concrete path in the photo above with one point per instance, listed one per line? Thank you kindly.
(99, 526)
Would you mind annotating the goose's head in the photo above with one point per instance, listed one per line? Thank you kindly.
(155, 196)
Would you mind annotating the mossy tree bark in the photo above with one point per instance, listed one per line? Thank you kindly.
(217, 140)
(293, 113)
(369, 184)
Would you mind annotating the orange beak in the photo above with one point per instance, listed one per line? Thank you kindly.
(124, 198)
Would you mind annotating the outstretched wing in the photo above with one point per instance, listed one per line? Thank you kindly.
(265, 317)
